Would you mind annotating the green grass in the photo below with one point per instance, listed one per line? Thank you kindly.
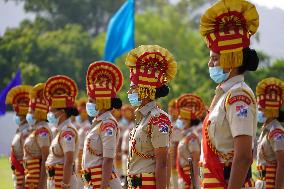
(6, 181)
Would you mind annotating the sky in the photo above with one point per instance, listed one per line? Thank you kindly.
(270, 3)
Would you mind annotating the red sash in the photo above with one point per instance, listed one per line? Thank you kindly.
(212, 161)
(181, 173)
(18, 166)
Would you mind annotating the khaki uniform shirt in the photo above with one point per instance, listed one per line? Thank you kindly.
(40, 137)
(101, 141)
(125, 147)
(85, 127)
(18, 141)
(270, 141)
(232, 113)
(66, 140)
(190, 143)
(152, 130)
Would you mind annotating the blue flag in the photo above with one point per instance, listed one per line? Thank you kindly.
(120, 33)
(14, 82)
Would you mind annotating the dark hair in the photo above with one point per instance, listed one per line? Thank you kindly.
(162, 91)
(116, 103)
(71, 111)
(194, 122)
(281, 116)
(250, 60)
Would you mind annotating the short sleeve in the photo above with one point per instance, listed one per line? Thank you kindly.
(68, 140)
(109, 139)
(241, 114)
(276, 139)
(43, 137)
(161, 126)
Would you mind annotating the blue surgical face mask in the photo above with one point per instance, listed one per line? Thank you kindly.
(179, 124)
(124, 121)
(52, 119)
(30, 119)
(134, 99)
(91, 109)
(78, 119)
(17, 120)
(217, 74)
(261, 117)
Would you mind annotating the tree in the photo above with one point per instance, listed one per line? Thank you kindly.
(92, 15)
(41, 54)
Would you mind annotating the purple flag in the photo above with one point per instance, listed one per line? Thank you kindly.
(14, 82)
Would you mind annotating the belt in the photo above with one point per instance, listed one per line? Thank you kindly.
(93, 176)
(267, 173)
(55, 172)
(32, 171)
(142, 179)
(208, 181)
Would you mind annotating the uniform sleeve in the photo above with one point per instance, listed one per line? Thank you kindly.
(109, 139)
(241, 114)
(68, 140)
(160, 131)
(193, 144)
(43, 137)
(276, 139)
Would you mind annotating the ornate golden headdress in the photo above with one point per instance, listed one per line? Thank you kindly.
(60, 91)
(190, 106)
(38, 103)
(104, 81)
(270, 96)
(18, 97)
(151, 66)
(227, 27)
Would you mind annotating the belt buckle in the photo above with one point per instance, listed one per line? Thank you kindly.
(136, 181)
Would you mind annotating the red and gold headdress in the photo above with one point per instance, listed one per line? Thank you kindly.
(19, 98)
(151, 66)
(270, 96)
(38, 103)
(60, 92)
(227, 27)
(172, 108)
(104, 80)
(190, 106)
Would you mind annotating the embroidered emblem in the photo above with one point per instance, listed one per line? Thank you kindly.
(68, 136)
(242, 111)
(277, 135)
(163, 128)
(238, 98)
(109, 131)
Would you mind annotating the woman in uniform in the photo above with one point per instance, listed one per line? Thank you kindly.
(175, 138)
(190, 108)
(127, 122)
(230, 127)
(151, 68)
(104, 81)
(270, 150)
(60, 92)
(83, 121)
(18, 97)
(36, 146)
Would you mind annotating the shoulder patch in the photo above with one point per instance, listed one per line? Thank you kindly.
(239, 98)
(42, 132)
(276, 135)
(242, 111)
(162, 121)
(68, 135)
(106, 125)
